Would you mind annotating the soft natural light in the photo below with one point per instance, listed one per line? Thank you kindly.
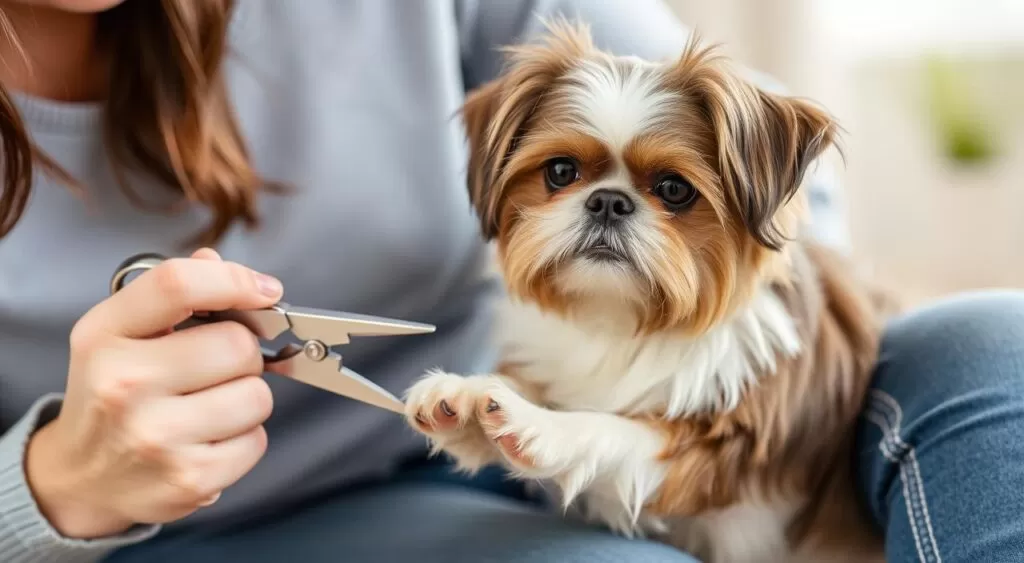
(908, 27)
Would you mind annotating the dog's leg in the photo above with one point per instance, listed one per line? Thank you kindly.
(573, 449)
(484, 419)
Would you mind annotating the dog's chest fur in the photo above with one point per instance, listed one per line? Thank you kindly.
(597, 364)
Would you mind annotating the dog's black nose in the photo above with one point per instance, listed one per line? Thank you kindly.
(609, 206)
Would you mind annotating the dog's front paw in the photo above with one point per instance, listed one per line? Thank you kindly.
(443, 407)
(530, 437)
(480, 420)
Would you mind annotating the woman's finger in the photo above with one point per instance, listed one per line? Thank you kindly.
(219, 413)
(224, 463)
(195, 358)
(172, 291)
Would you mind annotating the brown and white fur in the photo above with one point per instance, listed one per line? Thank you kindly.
(685, 372)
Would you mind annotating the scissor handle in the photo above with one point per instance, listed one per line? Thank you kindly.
(266, 324)
(138, 263)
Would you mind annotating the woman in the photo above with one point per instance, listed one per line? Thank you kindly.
(119, 444)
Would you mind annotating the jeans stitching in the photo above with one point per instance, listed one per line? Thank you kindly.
(894, 449)
(883, 423)
(913, 515)
(915, 466)
(919, 482)
(883, 445)
(910, 469)
(913, 492)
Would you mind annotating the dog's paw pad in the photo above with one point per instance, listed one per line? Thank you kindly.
(442, 418)
(440, 403)
(512, 447)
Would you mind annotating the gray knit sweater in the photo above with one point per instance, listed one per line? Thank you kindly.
(351, 101)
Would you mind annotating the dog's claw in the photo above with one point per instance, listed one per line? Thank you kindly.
(446, 408)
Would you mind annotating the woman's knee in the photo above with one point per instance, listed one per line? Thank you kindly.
(941, 366)
(941, 429)
(970, 341)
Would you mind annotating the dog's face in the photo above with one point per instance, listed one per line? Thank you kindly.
(666, 189)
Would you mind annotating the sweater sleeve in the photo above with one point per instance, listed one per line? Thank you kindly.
(25, 534)
(643, 28)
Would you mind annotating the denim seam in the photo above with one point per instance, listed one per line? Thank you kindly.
(884, 447)
(916, 511)
(915, 467)
(881, 408)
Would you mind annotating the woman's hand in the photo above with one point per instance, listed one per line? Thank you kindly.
(155, 423)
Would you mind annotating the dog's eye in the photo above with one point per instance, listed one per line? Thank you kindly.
(560, 172)
(675, 191)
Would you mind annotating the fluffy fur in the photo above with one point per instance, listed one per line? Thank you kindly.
(687, 372)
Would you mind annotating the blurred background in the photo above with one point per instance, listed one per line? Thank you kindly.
(931, 94)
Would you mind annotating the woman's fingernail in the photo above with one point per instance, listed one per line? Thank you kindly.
(206, 254)
(210, 500)
(269, 285)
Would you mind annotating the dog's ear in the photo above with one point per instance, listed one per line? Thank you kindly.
(491, 142)
(497, 114)
(764, 142)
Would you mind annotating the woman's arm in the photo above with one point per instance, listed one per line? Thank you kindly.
(25, 534)
(642, 28)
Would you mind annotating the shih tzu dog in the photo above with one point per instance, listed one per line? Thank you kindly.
(677, 362)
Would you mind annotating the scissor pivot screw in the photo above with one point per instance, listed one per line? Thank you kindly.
(315, 350)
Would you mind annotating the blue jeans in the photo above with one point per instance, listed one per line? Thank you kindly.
(940, 460)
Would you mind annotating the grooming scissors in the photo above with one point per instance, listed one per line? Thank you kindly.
(311, 361)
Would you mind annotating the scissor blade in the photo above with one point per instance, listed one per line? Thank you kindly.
(364, 390)
(333, 328)
(329, 375)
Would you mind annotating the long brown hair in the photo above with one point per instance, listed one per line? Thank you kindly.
(167, 114)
